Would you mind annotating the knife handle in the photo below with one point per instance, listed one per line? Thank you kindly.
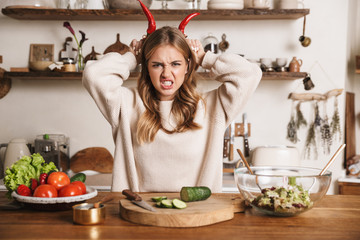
(131, 195)
(231, 153)
(246, 148)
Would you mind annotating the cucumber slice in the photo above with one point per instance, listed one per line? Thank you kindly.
(158, 199)
(178, 204)
(158, 204)
(190, 194)
(166, 203)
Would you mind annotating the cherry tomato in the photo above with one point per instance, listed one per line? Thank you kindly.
(46, 191)
(58, 180)
(70, 190)
(81, 185)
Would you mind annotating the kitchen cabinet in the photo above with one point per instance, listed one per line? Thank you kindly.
(349, 188)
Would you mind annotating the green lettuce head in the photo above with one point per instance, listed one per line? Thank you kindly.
(23, 170)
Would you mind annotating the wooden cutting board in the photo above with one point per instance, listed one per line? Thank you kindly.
(215, 209)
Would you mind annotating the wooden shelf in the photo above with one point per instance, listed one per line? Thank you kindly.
(159, 14)
(76, 76)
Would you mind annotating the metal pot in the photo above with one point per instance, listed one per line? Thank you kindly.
(87, 214)
(275, 156)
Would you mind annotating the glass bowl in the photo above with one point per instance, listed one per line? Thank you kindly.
(282, 191)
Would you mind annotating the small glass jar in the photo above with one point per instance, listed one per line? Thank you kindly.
(69, 65)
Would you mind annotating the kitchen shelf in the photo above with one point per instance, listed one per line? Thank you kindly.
(159, 14)
(78, 75)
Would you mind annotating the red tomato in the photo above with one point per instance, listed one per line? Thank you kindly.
(46, 191)
(81, 185)
(70, 190)
(58, 180)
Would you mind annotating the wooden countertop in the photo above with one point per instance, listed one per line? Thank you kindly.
(335, 217)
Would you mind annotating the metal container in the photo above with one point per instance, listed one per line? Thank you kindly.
(87, 214)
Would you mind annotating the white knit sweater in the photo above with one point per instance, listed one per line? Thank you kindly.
(171, 161)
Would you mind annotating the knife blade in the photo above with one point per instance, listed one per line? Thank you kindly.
(136, 199)
(226, 142)
(246, 136)
(232, 140)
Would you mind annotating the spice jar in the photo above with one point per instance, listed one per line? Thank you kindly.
(69, 65)
(295, 65)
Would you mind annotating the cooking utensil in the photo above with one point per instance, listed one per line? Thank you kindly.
(232, 141)
(305, 41)
(248, 167)
(332, 159)
(216, 208)
(136, 199)
(246, 136)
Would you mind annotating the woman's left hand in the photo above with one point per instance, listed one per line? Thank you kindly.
(198, 49)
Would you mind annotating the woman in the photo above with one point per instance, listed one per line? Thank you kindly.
(167, 135)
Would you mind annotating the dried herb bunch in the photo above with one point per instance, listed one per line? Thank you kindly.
(310, 142)
(300, 120)
(335, 121)
(291, 127)
(326, 136)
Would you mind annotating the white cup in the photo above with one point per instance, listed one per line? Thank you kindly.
(260, 3)
(290, 4)
(266, 61)
(95, 4)
(281, 62)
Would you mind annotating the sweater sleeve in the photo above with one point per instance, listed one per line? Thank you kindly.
(104, 78)
(239, 79)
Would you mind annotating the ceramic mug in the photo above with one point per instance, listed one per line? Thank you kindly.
(291, 4)
(260, 4)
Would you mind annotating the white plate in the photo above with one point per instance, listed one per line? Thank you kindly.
(54, 204)
(216, 5)
(90, 193)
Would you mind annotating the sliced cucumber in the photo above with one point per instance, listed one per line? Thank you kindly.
(158, 204)
(166, 203)
(190, 194)
(178, 204)
(158, 199)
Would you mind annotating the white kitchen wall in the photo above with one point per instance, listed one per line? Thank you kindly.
(35, 107)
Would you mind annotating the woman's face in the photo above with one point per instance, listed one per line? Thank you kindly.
(167, 68)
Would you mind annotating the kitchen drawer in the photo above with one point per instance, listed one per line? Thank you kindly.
(349, 188)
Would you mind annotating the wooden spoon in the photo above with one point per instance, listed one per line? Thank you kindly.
(332, 159)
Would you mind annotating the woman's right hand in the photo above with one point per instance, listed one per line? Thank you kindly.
(197, 49)
(135, 48)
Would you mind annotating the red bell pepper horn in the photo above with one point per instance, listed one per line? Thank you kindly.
(152, 23)
(186, 21)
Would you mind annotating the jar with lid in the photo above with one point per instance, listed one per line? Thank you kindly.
(69, 65)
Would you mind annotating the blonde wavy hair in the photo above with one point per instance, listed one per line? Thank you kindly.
(187, 98)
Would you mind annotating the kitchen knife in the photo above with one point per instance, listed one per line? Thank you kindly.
(232, 140)
(136, 199)
(226, 142)
(246, 136)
